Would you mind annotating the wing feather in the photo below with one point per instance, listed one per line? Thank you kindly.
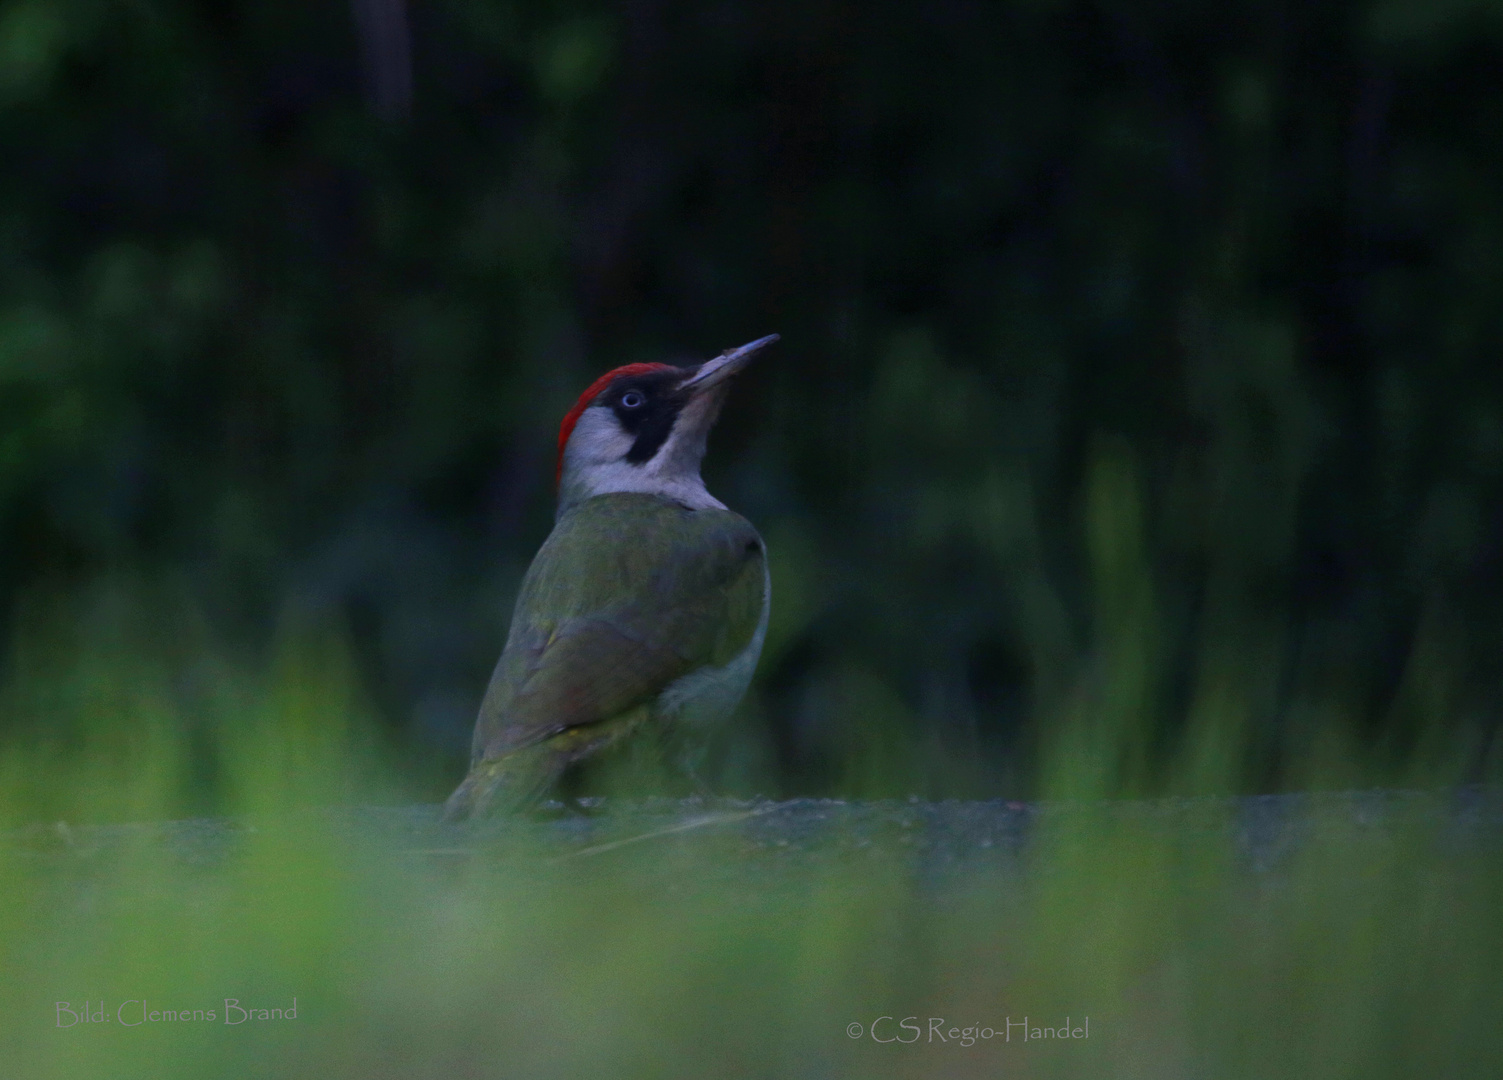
(579, 654)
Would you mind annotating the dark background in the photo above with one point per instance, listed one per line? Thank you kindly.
(1140, 362)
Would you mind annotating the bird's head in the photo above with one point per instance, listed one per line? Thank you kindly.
(643, 428)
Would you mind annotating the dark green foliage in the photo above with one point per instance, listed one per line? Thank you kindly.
(1139, 381)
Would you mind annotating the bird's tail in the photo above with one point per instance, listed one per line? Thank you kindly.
(519, 778)
(508, 783)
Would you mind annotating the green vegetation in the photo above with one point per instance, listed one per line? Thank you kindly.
(1363, 952)
(1136, 430)
(280, 340)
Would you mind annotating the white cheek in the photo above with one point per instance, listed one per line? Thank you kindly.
(595, 464)
(597, 439)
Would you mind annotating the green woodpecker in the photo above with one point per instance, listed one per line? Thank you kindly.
(645, 609)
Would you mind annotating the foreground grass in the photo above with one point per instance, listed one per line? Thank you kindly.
(1367, 953)
(1364, 952)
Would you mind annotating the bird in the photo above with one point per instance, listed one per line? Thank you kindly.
(643, 614)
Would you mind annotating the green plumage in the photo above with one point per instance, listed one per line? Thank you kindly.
(629, 595)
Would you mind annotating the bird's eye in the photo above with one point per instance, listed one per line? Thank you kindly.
(631, 399)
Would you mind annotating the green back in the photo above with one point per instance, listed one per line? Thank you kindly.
(628, 593)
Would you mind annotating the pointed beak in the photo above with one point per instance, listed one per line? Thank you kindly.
(714, 372)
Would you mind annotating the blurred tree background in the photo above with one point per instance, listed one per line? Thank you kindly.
(1139, 382)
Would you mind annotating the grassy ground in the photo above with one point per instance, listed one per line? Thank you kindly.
(1162, 951)
(1362, 952)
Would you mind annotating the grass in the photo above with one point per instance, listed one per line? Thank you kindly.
(1371, 958)
(1367, 953)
